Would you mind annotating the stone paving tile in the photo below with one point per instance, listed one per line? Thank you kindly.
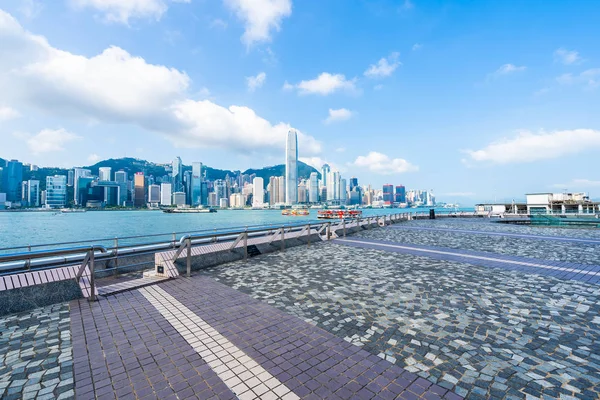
(312, 362)
(481, 332)
(124, 348)
(36, 354)
(550, 250)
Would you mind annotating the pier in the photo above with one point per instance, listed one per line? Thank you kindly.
(381, 307)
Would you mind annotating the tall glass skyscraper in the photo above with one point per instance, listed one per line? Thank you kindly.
(313, 188)
(196, 184)
(177, 175)
(11, 181)
(291, 168)
(56, 191)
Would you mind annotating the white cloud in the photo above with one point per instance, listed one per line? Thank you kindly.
(122, 11)
(218, 23)
(567, 57)
(383, 164)
(7, 113)
(384, 67)
(116, 87)
(341, 114)
(417, 46)
(589, 78)
(507, 69)
(255, 82)
(529, 147)
(48, 140)
(324, 84)
(260, 17)
(577, 184)
(31, 8)
(378, 87)
(93, 158)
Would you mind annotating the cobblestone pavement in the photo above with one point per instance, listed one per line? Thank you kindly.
(551, 250)
(481, 332)
(36, 354)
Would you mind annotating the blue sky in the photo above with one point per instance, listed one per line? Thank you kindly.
(474, 99)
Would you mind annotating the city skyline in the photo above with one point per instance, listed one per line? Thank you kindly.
(422, 93)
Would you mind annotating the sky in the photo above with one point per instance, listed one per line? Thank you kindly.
(475, 100)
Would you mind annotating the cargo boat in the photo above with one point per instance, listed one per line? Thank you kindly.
(338, 214)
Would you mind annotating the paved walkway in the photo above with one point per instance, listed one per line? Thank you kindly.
(196, 338)
(558, 269)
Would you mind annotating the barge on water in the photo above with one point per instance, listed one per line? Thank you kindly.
(338, 214)
(189, 210)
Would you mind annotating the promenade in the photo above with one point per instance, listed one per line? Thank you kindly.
(420, 309)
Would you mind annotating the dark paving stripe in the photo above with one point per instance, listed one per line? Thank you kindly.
(493, 233)
(124, 348)
(562, 270)
(313, 363)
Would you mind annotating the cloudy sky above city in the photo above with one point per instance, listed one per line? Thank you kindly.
(476, 100)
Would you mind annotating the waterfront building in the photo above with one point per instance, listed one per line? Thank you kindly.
(388, 194)
(204, 193)
(12, 177)
(276, 190)
(31, 193)
(236, 200)
(212, 199)
(313, 188)
(559, 203)
(324, 174)
(220, 188)
(223, 203)
(70, 177)
(196, 198)
(166, 196)
(179, 199)
(121, 177)
(343, 191)
(353, 183)
(323, 194)
(139, 182)
(177, 175)
(400, 196)
(43, 198)
(302, 193)
(104, 173)
(56, 191)
(258, 192)
(291, 167)
(79, 173)
(154, 194)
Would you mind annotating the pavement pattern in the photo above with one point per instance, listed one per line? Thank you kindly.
(481, 332)
(36, 354)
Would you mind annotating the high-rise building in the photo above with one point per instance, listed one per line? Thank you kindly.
(104, 173)
(313, 188)
(236, 200)
(166, 196)
(154, 194)
(179, 198)
(302, 192)
(213, 201)
(12, 177)
(258, 192)
(400, 196)
(56, 191)
(196, 184)
(77, 174)
(388, 194)
(177, 175)
(31, 193)
(343, 191)
(139, 199)
(276, 190)
(70, 177)
(353, 183)
(291, 168)
(324, 173)
(121, 177)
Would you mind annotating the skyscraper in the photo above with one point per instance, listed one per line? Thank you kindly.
(324, 173)
(12, 176)
(177, 175)
(31, 193)
(105, 173)
(77, 174)
(388, 194)
(291, 168)
(196, 184)
(313, 188)
(56, 191)
(166, 197)
(258, 192)
(154, 194)
(400, 196)
(139, 190)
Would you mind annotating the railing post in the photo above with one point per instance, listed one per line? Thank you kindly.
(308, 234)
(344, 225)
(246, 244)
(282, 238)
(116, 256)
(174, 239)
(329, 231)
(92, 272)
(189, 257)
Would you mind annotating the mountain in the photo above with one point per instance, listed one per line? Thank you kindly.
(304, 171)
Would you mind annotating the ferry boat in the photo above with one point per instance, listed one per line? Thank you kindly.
(72, 210)
(189, 210)
(339, 214)
(296, 211)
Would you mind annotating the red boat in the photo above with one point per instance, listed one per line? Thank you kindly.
(338, 214)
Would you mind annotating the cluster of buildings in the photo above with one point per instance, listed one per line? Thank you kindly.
(181, 186)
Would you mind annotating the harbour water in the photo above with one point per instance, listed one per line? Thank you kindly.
(35, 228)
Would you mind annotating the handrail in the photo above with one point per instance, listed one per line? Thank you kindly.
(31, 255)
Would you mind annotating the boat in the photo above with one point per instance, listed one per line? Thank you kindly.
(71, 210)
(339, 214)
(296, 211)
(189, 210)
